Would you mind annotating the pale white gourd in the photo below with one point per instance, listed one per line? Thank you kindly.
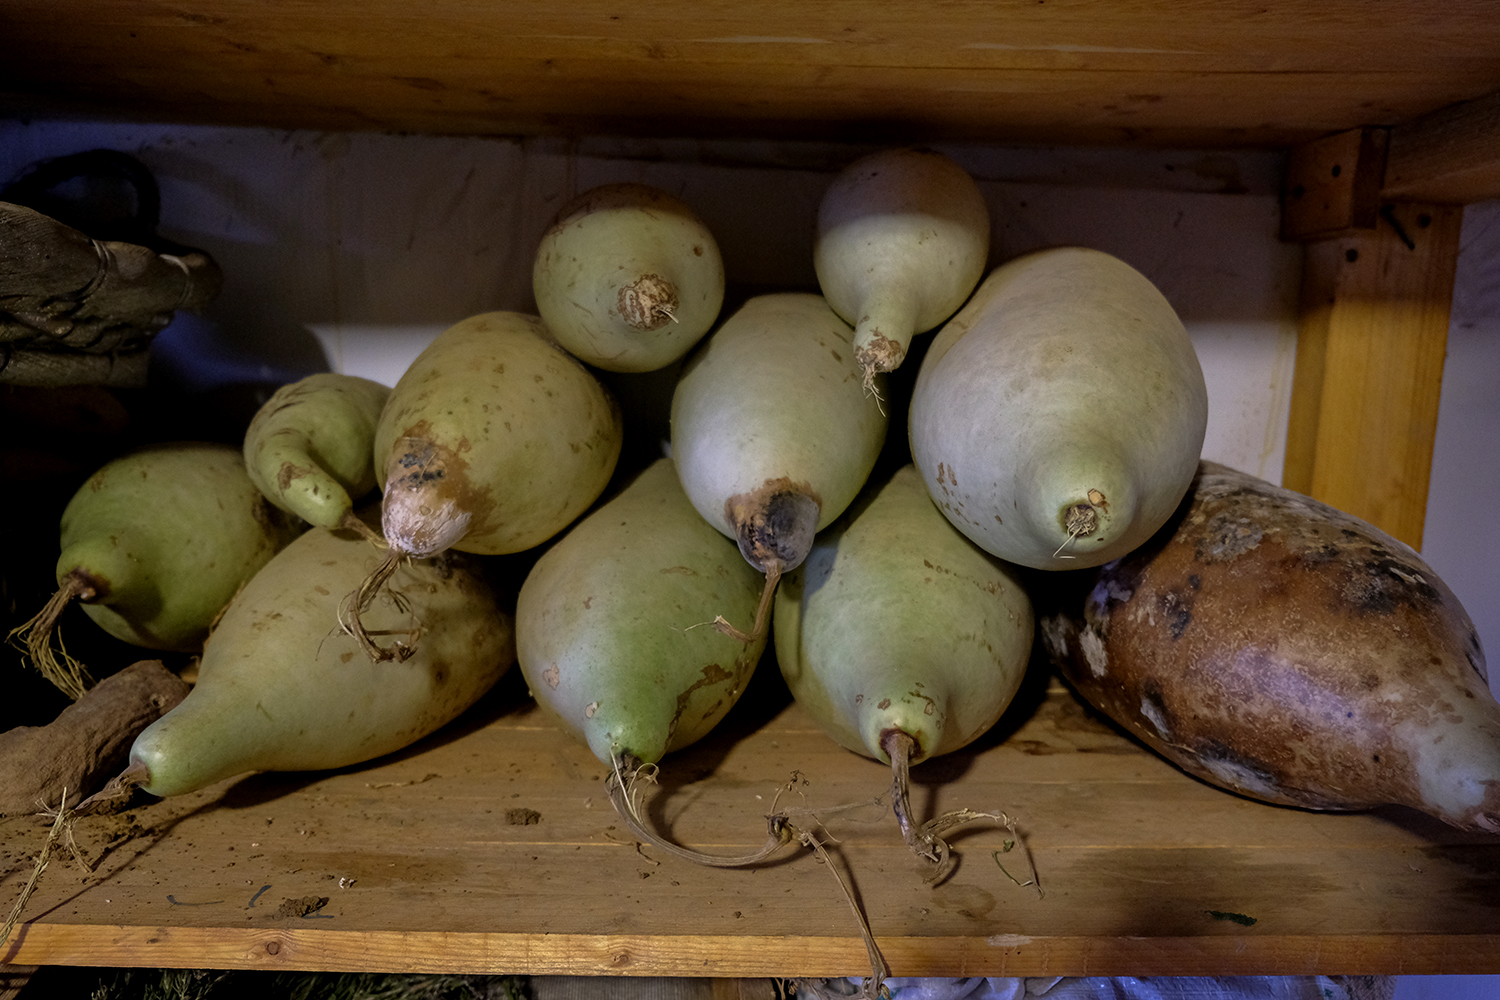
(1059, 417)
(902, 240)
(771, 432)
(628, 278)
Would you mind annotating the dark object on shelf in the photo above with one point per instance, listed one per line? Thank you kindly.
(85, 281)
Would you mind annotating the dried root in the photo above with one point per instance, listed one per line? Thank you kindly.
(34, 638)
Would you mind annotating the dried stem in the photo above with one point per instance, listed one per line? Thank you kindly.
(359, 602)
(627, 792)
(70, 677)
(762, 610)
(59, 821)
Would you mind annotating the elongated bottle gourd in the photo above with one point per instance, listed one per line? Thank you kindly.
(902, 239)
(607, 636)
(628, 278)
(278, 690)
(153, 546)
(492, 441)
(309, 448)
(1059, 417)
(900, 637)
(771, 433)
(1275, 646)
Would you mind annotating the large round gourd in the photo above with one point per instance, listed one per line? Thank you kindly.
(493, 440)
(628, 278)
(1277, 647)
(1059, 417)
(279, 690)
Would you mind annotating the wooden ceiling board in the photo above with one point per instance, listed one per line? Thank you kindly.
(1269, 74)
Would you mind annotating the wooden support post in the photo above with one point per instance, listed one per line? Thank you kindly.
(1372, 337)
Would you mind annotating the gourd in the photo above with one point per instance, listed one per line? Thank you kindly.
(492, 441)
(1275, 646)
(153, 546)
(1059, 417)
(309, 447)
(278, 690)
(628, 278)
(771, 434)
(903, 639)
(902, 239)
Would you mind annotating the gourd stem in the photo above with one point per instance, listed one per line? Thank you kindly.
(626, 788)
(762, 611)
(70, 677)
(359, 601)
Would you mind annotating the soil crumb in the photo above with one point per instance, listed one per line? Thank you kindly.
(522, 817)
(301, 907)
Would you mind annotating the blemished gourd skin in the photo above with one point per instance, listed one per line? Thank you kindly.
(774, 395)
(165, 536)
(1059, 416)
(628, 278)
(278, 689)
(1274, 646)
(498, 439)
(896, 621)
(613, 623)
(310, 448)
(903, 236)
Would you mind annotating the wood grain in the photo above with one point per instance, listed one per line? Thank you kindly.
(1451, 155)
(1180, 72)
(1372, 338)
(429, 863)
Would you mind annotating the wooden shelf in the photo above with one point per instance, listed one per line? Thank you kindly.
(1143, 869)
(1181, 73)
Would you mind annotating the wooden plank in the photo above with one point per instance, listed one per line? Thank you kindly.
(491, 849)
(1450, 156)
(1372, 337)
(1333, 184)
(1270, 74)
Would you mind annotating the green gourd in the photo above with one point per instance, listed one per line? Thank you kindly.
(153, 546)
(278, 690)
(609, 629)
(492, 441)
(1059, 417)
(628, 278)
(901, 638)
(309, 447)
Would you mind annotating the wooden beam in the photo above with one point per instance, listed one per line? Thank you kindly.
(1450, 156)
(1333, 184)
(1371, 343)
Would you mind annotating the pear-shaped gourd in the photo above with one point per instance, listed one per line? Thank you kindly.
(154, 544)
(309, 448)
(1280, 648)
(607, 631)
(771, 433)
(492, 441)
(279, 690)
(902, 238)
(628, 278)
(901, 638)
(1059, 417)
